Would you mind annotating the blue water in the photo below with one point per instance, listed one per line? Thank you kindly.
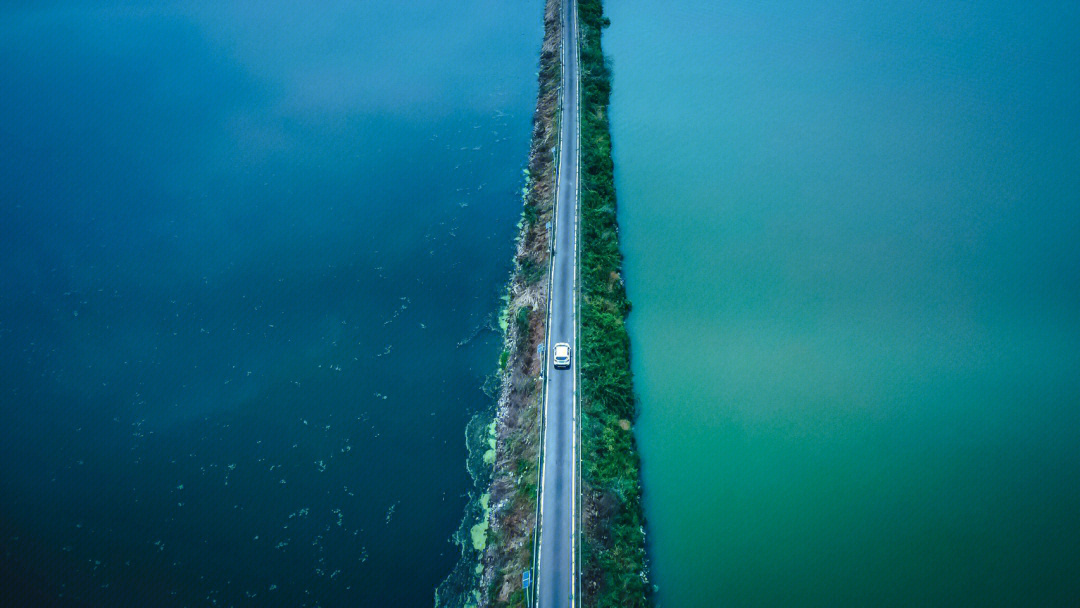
(852, 239)
(248, 256)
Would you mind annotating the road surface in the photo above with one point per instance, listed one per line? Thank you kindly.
(556, 569)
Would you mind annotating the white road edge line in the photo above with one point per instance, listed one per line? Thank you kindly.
(547, 348)
(574, 462)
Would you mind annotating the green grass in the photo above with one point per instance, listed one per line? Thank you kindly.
(522, 320)
(614, 545)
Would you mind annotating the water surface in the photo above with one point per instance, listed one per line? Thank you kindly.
(247, 255)
(851, 244)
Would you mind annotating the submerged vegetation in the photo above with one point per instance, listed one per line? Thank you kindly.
(614, 569)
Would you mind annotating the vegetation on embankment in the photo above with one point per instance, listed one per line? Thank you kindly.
(502, 537)
(515, 477)
(614, 569)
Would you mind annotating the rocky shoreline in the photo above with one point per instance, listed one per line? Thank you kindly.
(514, 483)
(505, 515)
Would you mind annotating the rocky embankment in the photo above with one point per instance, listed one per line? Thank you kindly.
(512, 496)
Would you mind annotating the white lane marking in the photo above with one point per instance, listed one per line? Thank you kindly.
(575, 463)
(573, 311)
(575, 429)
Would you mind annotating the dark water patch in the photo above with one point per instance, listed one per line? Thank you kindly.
(239, 250)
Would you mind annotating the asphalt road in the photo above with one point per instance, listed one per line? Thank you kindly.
(557, 566)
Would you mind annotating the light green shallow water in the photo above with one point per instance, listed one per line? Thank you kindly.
(851, 244)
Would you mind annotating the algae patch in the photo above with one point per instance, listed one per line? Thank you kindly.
(479, 535)
(489, 454)
(479, 531)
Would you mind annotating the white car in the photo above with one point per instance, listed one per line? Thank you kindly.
(562, 355)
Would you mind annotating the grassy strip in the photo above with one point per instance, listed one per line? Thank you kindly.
(614, 569)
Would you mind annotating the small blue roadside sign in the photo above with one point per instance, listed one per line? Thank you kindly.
(540, 348)
(526, 578)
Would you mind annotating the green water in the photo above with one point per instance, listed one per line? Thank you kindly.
(851, 244)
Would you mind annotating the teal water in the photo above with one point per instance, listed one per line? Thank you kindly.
(851, 236)
(249, 253)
